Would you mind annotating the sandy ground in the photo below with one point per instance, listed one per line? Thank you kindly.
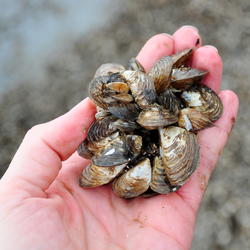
(223, 221)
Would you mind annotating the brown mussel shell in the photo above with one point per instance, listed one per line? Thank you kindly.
(134, 182)
(159, 182)
(95, 91)
(193, 120)
(161, 73)
(179, 152)
(156, 116)
(181, 58)
(84, 151)
(162, 70)
(141, 86)
(204, 100)
(94, 176)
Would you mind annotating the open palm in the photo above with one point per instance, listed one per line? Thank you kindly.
(43, 207)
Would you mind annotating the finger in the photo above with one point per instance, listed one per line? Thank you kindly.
(208, 59)
(38, 159)
(68, 177)
(72, 169)
(155, 48)
(186, 37)
(212, 142)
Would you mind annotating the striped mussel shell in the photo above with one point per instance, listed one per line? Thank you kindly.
(95, 176)
(135, 181)
(179, 151)
(203, 100)
(156, 116)
(162, 70)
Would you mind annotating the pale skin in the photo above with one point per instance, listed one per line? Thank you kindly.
(43, 207)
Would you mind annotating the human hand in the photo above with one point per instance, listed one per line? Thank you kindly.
(43, 207)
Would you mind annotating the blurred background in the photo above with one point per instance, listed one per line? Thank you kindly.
(49, 51)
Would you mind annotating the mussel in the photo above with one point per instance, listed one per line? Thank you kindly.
(179, 151)
(204, 105)
(156, 116)
(141, 86)
(143, 140)
(162, 70)
(108, 69)
(134, 182)
(159, 182)
(94, 176)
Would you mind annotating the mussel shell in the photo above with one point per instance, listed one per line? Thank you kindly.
(96, 91)
(123, 98)
(155, 116)
(83, 150)
(116, 92)
(125, 126)
(94, 176)
(141, 86)
(117, 77)
(99, 145)
(182, 78)
(101, 113)
(113, 154)
(179, 152)
(134, 145)
(116, 88)
(135, 65)
(101, 128)
(134, 182)
(205, 100)
(170, 101)
(193, 120)
(123, 111)
(159, 181)
(108, 69)
(181, 58)
(161, 72)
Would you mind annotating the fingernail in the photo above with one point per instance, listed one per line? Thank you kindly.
(212, 47)
(191, 27)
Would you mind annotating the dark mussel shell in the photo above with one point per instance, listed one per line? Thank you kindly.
(123, 111)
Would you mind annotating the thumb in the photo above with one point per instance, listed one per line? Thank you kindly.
(39, 157)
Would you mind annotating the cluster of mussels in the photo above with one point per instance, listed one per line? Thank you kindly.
(144, 137)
